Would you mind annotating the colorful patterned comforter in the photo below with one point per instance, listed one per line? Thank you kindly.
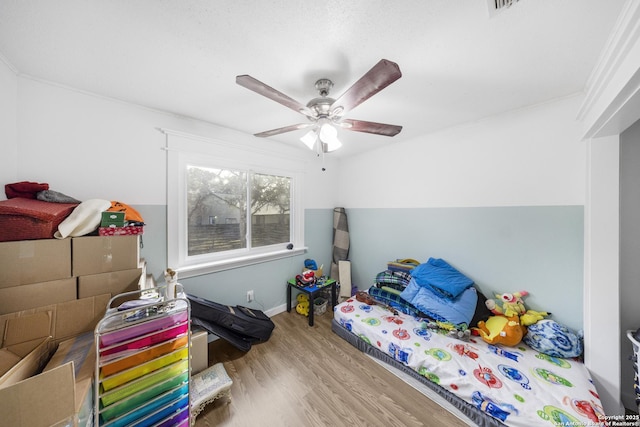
(518, 386)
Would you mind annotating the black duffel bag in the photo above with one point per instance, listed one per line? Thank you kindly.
(247, 322)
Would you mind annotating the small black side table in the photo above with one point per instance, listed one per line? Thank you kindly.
(312, 290)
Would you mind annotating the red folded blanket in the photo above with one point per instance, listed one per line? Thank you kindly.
(24, 189)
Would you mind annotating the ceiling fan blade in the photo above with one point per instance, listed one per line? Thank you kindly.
(265, 90)
(278, 131)
(380, 76)
(370, 127)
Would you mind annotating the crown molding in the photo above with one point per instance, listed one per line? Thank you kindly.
(614, 83)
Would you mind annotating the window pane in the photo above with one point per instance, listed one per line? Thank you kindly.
(216, 208)
(270, 210)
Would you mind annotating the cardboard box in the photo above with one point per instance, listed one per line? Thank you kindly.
(26, 326)
(29, 337)
(103, 254)
(60, 321)
(23, 297)
(8, 360)
(114, 283)
(81, 351)
(48, 398)
(34, 261)
(41, 401)
(24, 360)
(199, 351)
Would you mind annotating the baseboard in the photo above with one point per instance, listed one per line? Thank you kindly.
(276, 310)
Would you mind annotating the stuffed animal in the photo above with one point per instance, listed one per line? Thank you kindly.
(531, 317)
(502, 330)
(303, 304)
(512, 304)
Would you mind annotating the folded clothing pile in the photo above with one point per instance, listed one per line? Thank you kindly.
(434, 291)
(442, 292)
(33, 211)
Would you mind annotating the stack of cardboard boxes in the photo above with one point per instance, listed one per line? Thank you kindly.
(52, 295)
(48, 271)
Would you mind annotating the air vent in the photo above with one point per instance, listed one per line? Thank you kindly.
(496, 6)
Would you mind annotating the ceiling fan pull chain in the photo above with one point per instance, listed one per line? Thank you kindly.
(321, 154)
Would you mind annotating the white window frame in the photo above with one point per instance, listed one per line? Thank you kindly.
(184, 150)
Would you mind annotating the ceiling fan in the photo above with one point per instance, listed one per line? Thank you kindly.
(326, 114)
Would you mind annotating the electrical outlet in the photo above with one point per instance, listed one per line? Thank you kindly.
(249, 296)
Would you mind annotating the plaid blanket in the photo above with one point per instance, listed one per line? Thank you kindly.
(394, 301)
(393, 279)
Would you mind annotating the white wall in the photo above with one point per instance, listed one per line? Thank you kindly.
(92, 147)
(502, 199)
(8, 125)
(601, 287)
(529, 157)
(87, 146)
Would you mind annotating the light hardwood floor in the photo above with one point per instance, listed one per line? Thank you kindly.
(308, 376)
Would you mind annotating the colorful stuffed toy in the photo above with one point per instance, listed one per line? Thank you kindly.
(303, 304)
(512, 305)
(502, 330)
(531, 317)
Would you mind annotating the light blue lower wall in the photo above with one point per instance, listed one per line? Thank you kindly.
(154, 238)
(503, 249)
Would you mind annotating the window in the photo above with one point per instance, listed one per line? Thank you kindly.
(255, 208)
(230, 210)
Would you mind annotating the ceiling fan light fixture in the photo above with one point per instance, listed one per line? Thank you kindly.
(325, 113)
(309, 138)
(328, 135)
(329, 147)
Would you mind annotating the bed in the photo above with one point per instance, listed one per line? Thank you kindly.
(492, 385)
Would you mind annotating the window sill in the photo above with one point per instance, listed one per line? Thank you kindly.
(239, 262)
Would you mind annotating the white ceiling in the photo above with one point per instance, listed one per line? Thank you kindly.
(459, 64)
